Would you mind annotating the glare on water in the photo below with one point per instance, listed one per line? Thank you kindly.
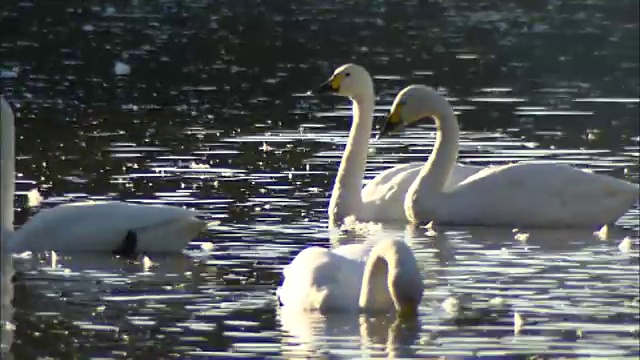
(213, 113)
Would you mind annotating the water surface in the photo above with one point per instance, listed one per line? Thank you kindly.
(214, 116)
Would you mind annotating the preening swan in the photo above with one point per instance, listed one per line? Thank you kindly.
(382, 198)
(527, 194)
(109, 226)
(352, 278)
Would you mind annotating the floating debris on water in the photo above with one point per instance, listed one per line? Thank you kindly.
(518, 323)
(625, 245)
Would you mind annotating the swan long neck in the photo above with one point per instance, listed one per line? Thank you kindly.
(8, 167)
(346, 198)
(391, 279)
(434, 175)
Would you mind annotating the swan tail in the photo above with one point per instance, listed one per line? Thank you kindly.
(168, 236)
(620, 200)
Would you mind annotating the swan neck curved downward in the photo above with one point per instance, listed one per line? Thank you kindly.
(433, 176)
(346, 198)
(391, 280)
(7, 167)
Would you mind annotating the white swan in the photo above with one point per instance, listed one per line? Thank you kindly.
(527, 194)
(382, 198)
(111, 226)
(352, 278)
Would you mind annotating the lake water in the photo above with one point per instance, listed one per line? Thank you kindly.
(213, 115)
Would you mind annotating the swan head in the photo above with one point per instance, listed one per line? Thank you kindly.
(413, 103)
(348, 80)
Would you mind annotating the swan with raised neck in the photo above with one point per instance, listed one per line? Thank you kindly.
(383, 197)
(355, 82)
(524, 194)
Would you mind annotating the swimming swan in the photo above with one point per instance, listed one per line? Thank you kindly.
(527, 194)
(382, 198)
(352, 278)
(107, 226)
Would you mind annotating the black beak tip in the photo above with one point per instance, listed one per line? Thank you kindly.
(384, 130)
(324, 88)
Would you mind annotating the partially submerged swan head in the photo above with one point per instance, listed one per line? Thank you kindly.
(413, 103)
(348, 80)
(391, 280)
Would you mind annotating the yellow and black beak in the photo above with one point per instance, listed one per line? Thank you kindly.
(393, 122)
(331, 86)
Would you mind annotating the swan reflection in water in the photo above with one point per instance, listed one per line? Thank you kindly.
(6, 312)
(347, 334)
(541, 239)
(91, 276)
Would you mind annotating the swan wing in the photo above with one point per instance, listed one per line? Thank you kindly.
(321, 279)
(381, 182)
(383, 197)
(356, 252)
(461, 172)
(537, 195)
(102, 227)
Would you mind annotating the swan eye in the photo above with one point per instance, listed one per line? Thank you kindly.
(347, 74)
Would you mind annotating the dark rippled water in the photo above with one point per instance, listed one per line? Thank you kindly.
(213, 116)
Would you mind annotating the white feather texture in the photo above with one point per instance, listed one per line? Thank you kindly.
(382, 198)
(526, 194)
(355, 277)
(90, 226)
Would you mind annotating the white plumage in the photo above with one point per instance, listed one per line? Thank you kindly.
(90, 226)
(382, 278)
(383, 197)
(526, 194)
(102, 227)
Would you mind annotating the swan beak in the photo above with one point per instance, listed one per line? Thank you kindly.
(394, 122)
(330, 86)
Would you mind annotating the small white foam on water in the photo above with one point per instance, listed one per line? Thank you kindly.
(608, 100)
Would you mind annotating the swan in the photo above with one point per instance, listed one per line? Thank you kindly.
(355, 277)
(105, 226)
(305, 335)
(382, 198)
(525, 194)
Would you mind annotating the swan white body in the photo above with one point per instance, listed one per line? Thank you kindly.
(353, 278)
(90, 226)
(382, 199)
(527, 194)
